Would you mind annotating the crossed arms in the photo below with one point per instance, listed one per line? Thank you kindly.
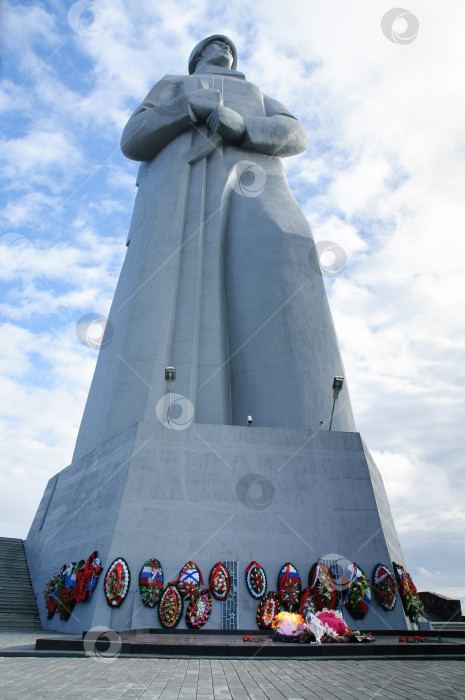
(168, 111)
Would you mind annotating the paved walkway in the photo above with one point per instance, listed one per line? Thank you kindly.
(216, 679)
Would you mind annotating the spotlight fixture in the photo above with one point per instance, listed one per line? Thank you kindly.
(170, 377)
(338, 383)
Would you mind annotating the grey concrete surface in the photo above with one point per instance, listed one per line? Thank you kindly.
(188, 679)
(177, 496)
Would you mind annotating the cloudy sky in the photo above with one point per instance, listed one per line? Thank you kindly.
(382, 181)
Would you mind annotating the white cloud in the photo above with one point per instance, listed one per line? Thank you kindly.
(32, 159)
(63, 277)
(383, 178)
(39, 416)
(25, 28)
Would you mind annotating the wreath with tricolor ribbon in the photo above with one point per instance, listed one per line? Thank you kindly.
(267, 610)
(64, 590)
(51, 593)
(408, 593)
(116, 583)
(321, 585)
(219, 581)
(255, 579)
(74, 583)
(151, 582)
(289, 587)
(384, 587)
(358, 595)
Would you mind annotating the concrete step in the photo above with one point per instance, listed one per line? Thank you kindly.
(8, 596)
(11, 594)
(448, 626)
(7, 601)
(20, 623)
(10, 550)
(11, 541)
(17, 615)
(12, 561)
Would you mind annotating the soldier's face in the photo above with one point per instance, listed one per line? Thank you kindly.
(218, 53)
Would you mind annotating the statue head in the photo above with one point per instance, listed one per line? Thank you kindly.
(217, 49)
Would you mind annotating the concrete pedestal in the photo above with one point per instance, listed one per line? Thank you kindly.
(213, 493)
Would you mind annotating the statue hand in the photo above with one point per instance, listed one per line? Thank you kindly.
(203, 102)
(227, 123)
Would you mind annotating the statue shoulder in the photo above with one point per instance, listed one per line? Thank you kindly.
(274, 107)
(171, 83)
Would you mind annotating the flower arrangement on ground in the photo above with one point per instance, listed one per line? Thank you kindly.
(290, 627)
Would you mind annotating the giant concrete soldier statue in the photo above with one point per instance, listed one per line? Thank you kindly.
(222, 281)
(221, 278)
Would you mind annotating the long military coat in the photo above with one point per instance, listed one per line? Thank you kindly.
(221, 277)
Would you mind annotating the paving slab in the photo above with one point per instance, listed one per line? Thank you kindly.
(217, 679)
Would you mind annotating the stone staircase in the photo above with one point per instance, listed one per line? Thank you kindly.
(18, 606)
(455, 626)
